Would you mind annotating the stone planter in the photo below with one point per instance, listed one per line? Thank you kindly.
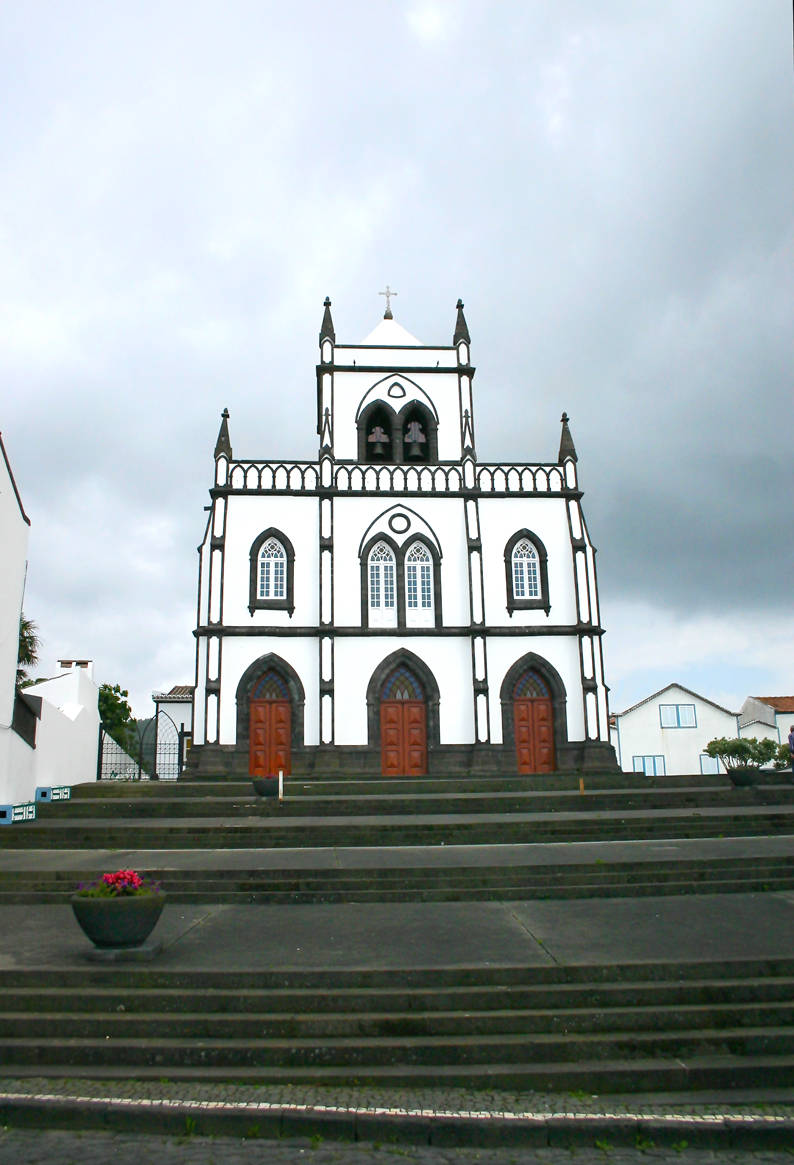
(120, 922)
(742, 778)
(265, 786)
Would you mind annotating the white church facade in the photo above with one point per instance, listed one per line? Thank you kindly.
(397, 606)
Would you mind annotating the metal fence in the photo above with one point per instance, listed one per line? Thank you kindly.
(159, 754)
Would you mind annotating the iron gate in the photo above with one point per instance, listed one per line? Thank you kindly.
(159, 754)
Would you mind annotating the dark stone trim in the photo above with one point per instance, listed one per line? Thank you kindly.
(542, 603)
(324, 491)
(254, 602)
(353, 762)
(352, 632)
(559, 700)
(243, 696)
(375, 686)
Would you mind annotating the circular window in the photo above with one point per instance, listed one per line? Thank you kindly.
(399, 523)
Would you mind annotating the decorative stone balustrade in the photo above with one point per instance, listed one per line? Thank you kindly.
(305, 476)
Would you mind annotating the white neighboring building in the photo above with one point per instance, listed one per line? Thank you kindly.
(173, 711)
(17, 718)
(665, 734)
(397, 605)
(49, 732)
(767, 716)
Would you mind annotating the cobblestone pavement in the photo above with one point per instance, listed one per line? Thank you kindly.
(31, 1147)
(446, 1099)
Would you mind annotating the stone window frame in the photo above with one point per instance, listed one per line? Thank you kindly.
(399, 553)
(542, 602)
(288, 602)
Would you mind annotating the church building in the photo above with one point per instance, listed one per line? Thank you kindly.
(397, 605)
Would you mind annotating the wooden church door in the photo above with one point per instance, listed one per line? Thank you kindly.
(403, 725)
(533, 722)
(270, 727)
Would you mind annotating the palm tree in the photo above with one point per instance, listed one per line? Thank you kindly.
(28, 655)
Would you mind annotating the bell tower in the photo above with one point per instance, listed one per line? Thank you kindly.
(392, 400)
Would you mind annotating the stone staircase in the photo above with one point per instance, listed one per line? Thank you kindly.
(670, 1027)
(433, 821)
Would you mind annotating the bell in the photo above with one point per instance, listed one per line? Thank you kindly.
(378, 449)
(413, 451)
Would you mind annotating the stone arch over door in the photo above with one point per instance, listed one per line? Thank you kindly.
(245, 688)
(382, 673)
(550, 678)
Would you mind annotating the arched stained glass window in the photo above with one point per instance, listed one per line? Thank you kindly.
(529, 686)
(402, 684)
(272, 572)
(419, 577)
(526, 578)
(381, 578)
(270, 686)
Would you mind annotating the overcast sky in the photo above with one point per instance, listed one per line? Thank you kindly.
(608, 186)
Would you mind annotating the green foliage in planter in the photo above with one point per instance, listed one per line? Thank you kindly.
(741, 752)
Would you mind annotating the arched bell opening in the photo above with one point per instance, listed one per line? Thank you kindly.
(376, 425)
(417, 433)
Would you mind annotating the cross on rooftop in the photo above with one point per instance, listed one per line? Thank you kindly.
(388, 293)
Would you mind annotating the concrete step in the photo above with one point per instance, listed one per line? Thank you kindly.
(201, 1024)
(350, 805)
(448, 883)
(642, 1026)
(700, 1074)
(397, 830)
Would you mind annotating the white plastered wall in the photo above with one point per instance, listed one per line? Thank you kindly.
(448, 659)
(500, 519)
(561, 651)
(239, 652)
(67, 739)
(353, 518)
(357, 389)
(247, 517)
(13, 548)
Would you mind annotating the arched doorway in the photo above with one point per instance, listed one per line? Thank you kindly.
(403, 724)
(270, 726)
(533, 723)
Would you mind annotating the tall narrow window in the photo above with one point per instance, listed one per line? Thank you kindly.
(382, 594)
(272, 571)
(272, 577)
(526, 580)
(526, 573)
(418, 586)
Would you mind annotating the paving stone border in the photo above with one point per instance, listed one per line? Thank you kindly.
(563, 1127)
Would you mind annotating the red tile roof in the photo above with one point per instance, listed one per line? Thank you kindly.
(779, 703)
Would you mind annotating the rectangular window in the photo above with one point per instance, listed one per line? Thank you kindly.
(533, 590)
(677, 716)
(651, 766)
(388, 584)
(518, 581)
(427, 595)
(374, 585)
(413, 599)
(278, 578)
(264, 578)
(709, 764)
